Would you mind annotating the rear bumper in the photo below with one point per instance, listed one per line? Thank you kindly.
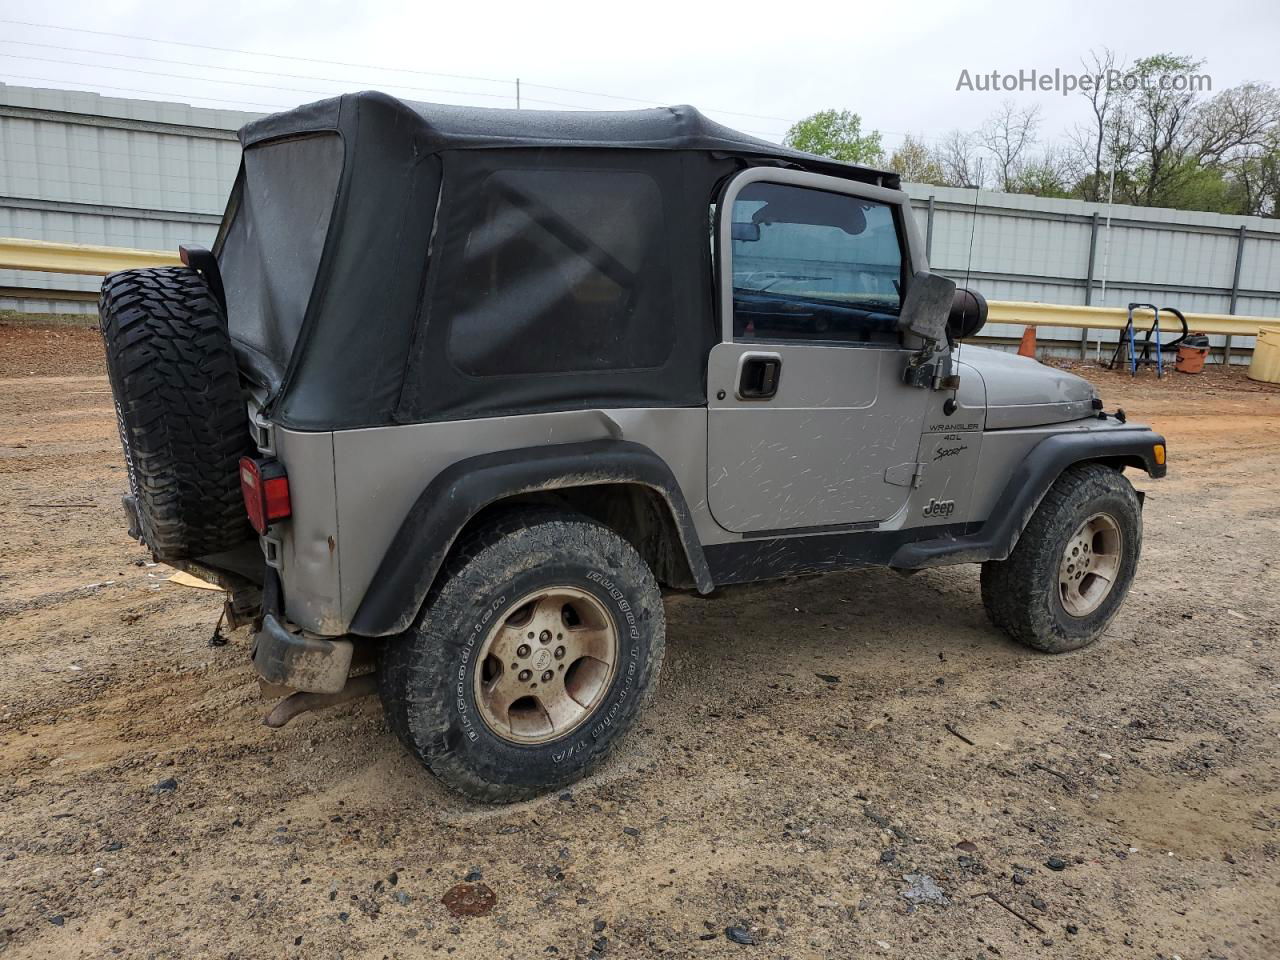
(286, 656)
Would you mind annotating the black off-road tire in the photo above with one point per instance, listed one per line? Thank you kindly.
(426, 676)
(1022, 594)
(183, 422)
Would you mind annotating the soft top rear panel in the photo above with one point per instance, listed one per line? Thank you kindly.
(272, 246)
(328, 335)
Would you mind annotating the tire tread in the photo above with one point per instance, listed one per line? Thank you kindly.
(410, 665)
(183, 424)
(1012, 589)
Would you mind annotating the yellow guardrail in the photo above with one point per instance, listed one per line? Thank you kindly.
(1113, 318)
(77, 257)
(99, 261)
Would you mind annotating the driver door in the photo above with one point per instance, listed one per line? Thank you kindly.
(809, 423)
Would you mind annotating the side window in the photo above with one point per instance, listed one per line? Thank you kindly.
(563, 271)
(813, 265)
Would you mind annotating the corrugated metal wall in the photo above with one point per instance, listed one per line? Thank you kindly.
(83, 168)
(1029, 248)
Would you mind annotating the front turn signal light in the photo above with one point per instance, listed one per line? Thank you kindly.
(1157, 450)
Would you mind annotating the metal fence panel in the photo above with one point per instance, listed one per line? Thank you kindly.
(1037, 249)
(82, 168)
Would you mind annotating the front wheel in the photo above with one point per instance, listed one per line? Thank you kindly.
(1072, 566)
(531, 658)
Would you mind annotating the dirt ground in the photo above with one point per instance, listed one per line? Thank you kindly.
(812, 744)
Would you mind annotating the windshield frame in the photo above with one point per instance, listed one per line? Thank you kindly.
(898, 202)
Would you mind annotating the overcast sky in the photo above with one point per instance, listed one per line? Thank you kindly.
(755, 67)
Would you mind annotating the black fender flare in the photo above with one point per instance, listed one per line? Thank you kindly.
(1037, 472)
(460, 491)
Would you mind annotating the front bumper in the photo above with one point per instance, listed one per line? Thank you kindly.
(286, 656)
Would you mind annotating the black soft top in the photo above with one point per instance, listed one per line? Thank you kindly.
(441, 126)
(389, 262)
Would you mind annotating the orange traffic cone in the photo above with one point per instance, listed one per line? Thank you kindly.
(1027, 348)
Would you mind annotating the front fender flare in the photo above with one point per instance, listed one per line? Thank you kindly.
(1037, 472)
(462, 490)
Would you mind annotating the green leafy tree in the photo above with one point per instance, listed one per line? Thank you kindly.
(1153, 134)
(1041, 178)
(1239, 137)
(836, 134)
(1255, 181)
(1167, 127)
(1191, 185)
(916, 163)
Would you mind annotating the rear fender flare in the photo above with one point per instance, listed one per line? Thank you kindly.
(459, 492)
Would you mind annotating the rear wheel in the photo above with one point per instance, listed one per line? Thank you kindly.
(531, 658)
(182, 420)
(1072, 566)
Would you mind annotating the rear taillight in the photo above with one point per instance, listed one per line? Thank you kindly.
(266, 492)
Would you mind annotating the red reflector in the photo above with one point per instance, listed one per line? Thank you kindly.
(265, 487)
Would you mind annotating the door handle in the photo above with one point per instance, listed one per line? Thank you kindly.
(758, 376)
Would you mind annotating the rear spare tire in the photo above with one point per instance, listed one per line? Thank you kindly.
(183, 422)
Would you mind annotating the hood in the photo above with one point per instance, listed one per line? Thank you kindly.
(1022, 392)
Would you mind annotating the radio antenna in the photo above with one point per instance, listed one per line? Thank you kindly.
(968, 268)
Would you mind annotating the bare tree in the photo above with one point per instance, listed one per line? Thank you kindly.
(1155, 135)
(1007, 135)
(960, 156)
(1241, 120)
(1077, 167)
(1090, 140)
(1238, 133)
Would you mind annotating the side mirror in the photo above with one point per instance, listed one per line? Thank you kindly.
(927, 306)
(746, 232)
(968, 314)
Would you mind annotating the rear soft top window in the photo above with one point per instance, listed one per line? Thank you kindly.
(271, 250)
(564, 279)
(563, 271)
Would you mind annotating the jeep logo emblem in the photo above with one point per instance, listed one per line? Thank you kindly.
(542, 659)
(939, 508)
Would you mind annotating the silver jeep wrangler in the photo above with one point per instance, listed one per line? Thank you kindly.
(459, 392)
